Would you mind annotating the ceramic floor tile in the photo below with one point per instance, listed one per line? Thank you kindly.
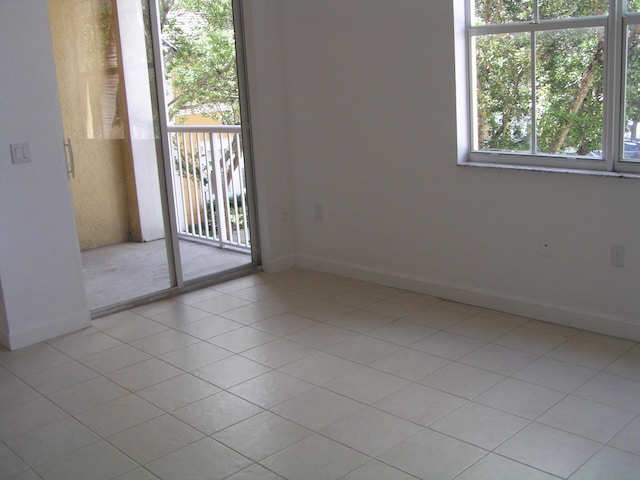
(222, 303)
(178, 314)
(366, 385)
(326, 289)
(216, 412)
(33, 359)
(231, 371)
(88, 395)
(317, 408)
(60, 377)
(114, 359)
(495, 467)
(255, 472)
(205, 459)
(138, 474)
(284, 324)
(479, 425)
(552, 328)
(78, 347)
(628, 365)
(448, 345)
(194, 356)
(279, 352)
(482, 328)
(585, 354)
(410, 364)
(10, 463)
(14, 391)
(609, 463)
(164, 342)
(251, 313)
(371, 431)
(118, 415)
(244, 338)
(196, 296)
(287, 301)
(321, 311)
(360, 321)
(209, 327)
(375, 470)
(115, 320)
(28, 416)
(52, 441)
(144, 374)
(150, 310)
(401, 304)
(554, 374)
(135, 329)
(402, 332)
(261, 435)
(548, 449)
(362, 296)
(256, 293)
(270, 389)
(462, 380)
(419, 404)
(618, 392)
(436, 317)
(155, 438)
(585, 418)
(363, 349)
(629, 437)
(315, 458)
(178, 392)
(520, 398)
(498, 359)
(321, 336)
(606, 340)
(320, 368)
(530, 340)
(431, 455)
(98, 461)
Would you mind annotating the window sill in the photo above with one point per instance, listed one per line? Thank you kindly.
(530, 168)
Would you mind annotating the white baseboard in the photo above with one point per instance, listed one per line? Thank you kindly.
(16, 340)
(599, 322)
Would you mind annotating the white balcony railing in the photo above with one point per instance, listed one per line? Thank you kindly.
(209, 184)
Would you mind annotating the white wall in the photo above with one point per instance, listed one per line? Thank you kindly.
(269, 113)
(41, 285)
(371, 122)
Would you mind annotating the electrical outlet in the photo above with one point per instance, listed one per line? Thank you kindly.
(617, 255)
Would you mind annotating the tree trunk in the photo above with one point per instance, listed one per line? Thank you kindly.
(578, 98)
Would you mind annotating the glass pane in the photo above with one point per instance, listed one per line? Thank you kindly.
(553, 9)
(570, 91)
(503, 95)
(632, 96)
(633, 6)
(487, 12)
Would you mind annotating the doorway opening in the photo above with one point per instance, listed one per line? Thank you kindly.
(161, 185)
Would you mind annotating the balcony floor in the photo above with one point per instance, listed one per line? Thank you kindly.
(120, 272)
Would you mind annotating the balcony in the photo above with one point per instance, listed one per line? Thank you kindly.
(209, 185)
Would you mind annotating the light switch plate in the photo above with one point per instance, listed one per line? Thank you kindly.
(20, 153)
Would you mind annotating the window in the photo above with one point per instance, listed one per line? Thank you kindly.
(555, 83)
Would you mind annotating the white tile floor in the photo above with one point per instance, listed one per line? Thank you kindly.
(302, 375)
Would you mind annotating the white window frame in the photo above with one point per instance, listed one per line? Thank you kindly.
(615, 25)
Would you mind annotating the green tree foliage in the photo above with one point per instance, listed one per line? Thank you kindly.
(200, 58)
(569, 79)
